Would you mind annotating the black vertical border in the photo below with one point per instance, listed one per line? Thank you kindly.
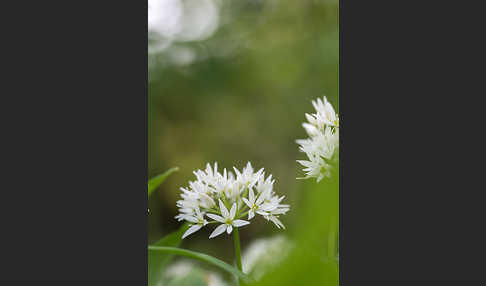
(82, 148)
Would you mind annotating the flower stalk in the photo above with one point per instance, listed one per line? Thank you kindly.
(202, 257)
(236, 236)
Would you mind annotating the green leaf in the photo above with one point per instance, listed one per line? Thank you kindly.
(314, 259)
(157, 180)
(202, 257)
(158, 261)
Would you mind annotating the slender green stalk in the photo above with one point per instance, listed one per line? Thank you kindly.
(202, 257)
(237, 248)
(236, 236)
(243, 214)
(238, 214)
(242, 196)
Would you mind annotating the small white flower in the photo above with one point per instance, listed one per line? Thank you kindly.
(322, 146)
(275, 220)
(248, 178)
(228, 220)
(264, 254)
(264, 185)
(178, 271)
(198, 222)
(254, 204)
(316, 167)
(325, 114)
(207, 177)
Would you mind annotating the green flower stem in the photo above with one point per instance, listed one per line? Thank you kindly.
(242, 196)
(236, 236)
(225, 202)
(202, 257)
(243, 214)
(212, 210)
(241, 210)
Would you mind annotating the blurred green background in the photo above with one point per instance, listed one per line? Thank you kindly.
(230, 81)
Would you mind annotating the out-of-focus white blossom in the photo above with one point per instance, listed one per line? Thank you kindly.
(182, 268)
(322, 146)
(225, 199)
(264, 254)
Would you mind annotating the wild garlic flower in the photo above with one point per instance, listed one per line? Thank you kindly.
(227, 219)
(322, 146)
(227, 199)
(176, 274)
(264, 254)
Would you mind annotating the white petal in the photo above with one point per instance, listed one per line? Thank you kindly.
(305, 163)
(192, 230)
(261, 213)
(268, 206)
(248, 166)
(251, 214)
(191, 219)
(229, 229)
(233, 211)
(251, 196)
(238, 174)
(247, 202)
(310, 129)
(262, 197)
(240, 222)
(310, 118)
(277, 222)
(224, 210)
(219, 230)
(210, 200)
(216, 217)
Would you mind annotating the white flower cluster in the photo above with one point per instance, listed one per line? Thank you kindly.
(322, 146)
(226, 199)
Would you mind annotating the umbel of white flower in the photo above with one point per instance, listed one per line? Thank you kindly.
(228, 200)
(322, 146)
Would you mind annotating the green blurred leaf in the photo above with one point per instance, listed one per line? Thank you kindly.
(158, 261)
(157, 180)
(202, 257)
(314, 260)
